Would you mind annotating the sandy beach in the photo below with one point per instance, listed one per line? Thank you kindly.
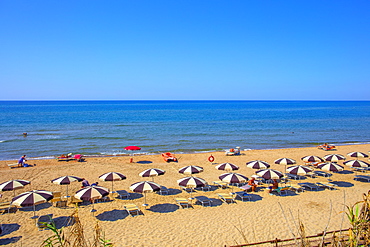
(163, 223)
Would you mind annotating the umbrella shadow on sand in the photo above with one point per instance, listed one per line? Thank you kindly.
(9, 228)
(173, 191)
(144, 162)
(345, 172)
(164, 208)
(134, 196)
(37, 207)
(11, 240)
(113, 215)
(342, 184)
(63, 221)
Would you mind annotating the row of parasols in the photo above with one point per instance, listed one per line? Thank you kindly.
(34, 197)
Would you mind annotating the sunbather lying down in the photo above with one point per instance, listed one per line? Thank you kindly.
(326, 147)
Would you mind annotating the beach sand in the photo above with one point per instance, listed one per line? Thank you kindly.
(266, 217)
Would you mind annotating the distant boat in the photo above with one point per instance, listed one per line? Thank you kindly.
(168, 157)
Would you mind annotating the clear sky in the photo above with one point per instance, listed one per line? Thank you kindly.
(185, 50)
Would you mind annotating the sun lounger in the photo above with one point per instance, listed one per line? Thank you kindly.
(329, 186)
(296, 188)
(362, 177)
(44, 220)
(227, 198)
(132, 209)
(207, 187)
(322, 173)
(163, 191)
(221, 184)
(14, 165)
(243, 195)
(205, 201)
(123, 194)
(281, 190)
(75, 201)
(186, 189)
(362, 169)
(310, 186)
(311, 175)
(7, 207)
(293, 176)
(183, 202)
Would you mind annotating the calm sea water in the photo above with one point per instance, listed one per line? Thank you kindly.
(105, 127)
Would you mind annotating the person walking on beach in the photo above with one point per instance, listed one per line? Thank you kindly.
(22, 160)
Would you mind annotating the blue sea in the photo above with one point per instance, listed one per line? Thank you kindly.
(106, 127)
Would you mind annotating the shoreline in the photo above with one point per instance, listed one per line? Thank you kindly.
(178, 153)
(170, 225)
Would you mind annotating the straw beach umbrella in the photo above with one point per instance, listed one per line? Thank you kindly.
(334, 157)
(32, 198)
(13, 185)
(227, 167)
(66, 180)
(145, 187)
(358, 155)
(153, 172)
(258, 164)
(189, 170)
(112, 176)
(91, 193)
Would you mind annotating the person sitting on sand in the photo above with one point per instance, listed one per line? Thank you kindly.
(95, 184)
(274, 186)
(253, 183)
(85, 183)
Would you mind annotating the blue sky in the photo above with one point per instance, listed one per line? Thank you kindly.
(185, 50)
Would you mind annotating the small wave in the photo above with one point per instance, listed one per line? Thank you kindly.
(2, 141)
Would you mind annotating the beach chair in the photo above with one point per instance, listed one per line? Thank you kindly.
(362, 177)
(293, 176)
(243, 196)
(43, 221)
(310, 186)
(14, 165)
(297, 188)
(123, 194)
(7, 207)
(163, 191)
(186, 189)
(207, 187)
(205, 201)
(322, 173)
(221, 184)
(132, 209)
(75, 201)
(311, 175)
(227, 198)
(327, 185)
(281, 190)
(183, 202)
